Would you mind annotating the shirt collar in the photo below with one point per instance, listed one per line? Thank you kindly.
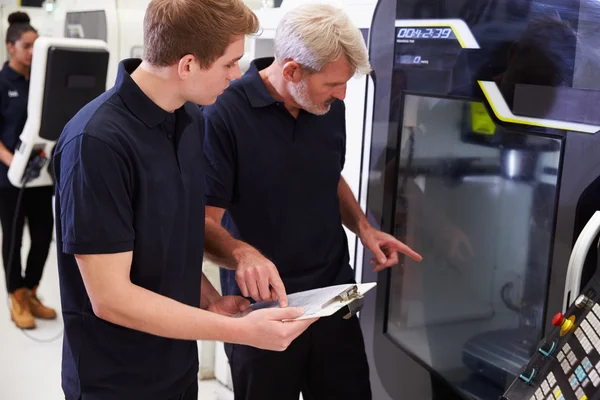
(10, 73)
(254, 86)
(135, 99)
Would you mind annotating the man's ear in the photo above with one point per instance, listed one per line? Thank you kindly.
(292, 71)
(185, 65)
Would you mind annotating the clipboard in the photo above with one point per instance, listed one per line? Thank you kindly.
(324, 302)
(351, 297)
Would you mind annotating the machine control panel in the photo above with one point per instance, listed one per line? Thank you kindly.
(567, 363)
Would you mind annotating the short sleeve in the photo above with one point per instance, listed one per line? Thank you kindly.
(94, 189)
(219, 152)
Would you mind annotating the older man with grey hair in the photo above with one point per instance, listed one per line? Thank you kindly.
(275, 149)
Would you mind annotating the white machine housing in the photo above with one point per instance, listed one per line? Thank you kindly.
(30, 140)
(122, 22)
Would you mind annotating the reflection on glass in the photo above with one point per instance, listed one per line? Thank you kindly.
(477, 202)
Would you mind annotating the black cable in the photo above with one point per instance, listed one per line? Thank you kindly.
(26, 180)
(14, 231)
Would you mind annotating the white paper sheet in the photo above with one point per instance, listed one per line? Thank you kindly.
(313, 300)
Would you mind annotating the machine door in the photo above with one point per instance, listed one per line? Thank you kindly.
(475, 104)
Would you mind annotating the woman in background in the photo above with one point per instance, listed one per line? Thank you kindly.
(36, 203)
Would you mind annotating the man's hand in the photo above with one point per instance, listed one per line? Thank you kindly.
(258, 277)
(266, 329)
(385, 247)
(229, 305)
(7, 158)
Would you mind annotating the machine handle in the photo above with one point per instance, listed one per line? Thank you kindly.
(365, 170)
(578, 256)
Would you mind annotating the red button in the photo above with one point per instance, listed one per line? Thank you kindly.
(558, 319)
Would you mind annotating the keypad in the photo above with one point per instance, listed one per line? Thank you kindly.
(578, 361)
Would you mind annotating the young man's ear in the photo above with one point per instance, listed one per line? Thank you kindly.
(185, 66)
(292, 71)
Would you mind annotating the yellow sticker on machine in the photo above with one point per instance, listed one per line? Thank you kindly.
(481, 122)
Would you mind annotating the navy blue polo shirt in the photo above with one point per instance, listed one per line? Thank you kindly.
(129, 177)
(277, 177)
(14, 94)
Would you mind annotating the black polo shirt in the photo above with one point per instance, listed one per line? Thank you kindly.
(129, 178)
(278, 176)
(14, 94)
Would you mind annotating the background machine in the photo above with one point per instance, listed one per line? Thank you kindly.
(481, 154)
(66, 74)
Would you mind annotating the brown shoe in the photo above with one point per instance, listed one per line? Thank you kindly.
(19, 309)
(38, 309)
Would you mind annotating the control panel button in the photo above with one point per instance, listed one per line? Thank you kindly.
(557, 393)
(595, 378)
(551, 379)
(528, 376)
(565, 324)
(545, 388)
(580, 373)
(566, 367)
(583, 302)
(548, 348)
(572, 358)
(574, 382)
(587, 365)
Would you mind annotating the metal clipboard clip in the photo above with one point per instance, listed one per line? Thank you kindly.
(351, 296)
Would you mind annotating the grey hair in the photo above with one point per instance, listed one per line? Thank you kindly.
(314, 35)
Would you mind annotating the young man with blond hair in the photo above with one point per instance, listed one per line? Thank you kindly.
(275, 148)
(130, 199)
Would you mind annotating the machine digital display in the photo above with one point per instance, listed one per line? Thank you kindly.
(408, 59)
(425, 33)
(426, 48)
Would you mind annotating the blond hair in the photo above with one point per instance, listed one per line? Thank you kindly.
(202, 28)
(314, 35)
